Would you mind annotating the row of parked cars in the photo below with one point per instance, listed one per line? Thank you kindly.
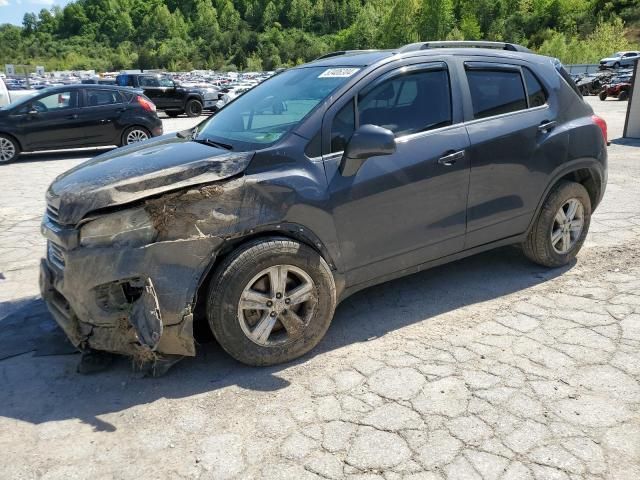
(101, 112)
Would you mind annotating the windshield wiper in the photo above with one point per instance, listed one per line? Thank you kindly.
(213, 143)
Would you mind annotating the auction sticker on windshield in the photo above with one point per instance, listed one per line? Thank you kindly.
(338, 72)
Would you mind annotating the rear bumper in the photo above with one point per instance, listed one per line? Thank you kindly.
(157, 128)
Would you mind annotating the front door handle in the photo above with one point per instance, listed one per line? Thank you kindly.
(450, 158)
(72, 117)
(546, 126)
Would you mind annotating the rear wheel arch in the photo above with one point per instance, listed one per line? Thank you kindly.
(587, 173)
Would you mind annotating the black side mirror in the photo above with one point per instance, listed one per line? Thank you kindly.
(368, 141)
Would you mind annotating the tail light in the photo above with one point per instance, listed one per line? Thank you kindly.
(146, 104)
(603, 127)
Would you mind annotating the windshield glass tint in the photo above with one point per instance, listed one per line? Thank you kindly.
(264, 114)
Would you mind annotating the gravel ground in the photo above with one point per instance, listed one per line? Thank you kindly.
(487, 368)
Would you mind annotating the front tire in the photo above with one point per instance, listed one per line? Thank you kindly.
(9, 149)
(624, 95)
(193, 108)
(603, 96)
(559, 231)
(271, 301)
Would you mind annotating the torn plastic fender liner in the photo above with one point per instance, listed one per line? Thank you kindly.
(145, 316)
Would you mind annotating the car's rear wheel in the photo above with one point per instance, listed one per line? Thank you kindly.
(271, 301)
(193, 108)
(561, 227)
(603, 96)
(134, 135)
(624, 95)
(9, 149)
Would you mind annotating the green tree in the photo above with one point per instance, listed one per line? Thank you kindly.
(436, 19)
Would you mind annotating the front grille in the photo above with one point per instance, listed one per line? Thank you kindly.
(55, 255)
(52, 213)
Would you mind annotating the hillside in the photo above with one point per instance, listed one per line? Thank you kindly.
(265, 34)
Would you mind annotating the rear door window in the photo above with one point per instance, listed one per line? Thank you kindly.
(97, 98)
(149, 82)
(496, 92)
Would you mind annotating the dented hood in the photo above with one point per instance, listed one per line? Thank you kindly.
(138, 171)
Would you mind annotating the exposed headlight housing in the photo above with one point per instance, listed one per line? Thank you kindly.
(127, 228)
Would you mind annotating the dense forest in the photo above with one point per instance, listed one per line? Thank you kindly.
(178, 35)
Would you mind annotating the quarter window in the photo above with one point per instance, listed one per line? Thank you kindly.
(535, 91)
(343, 126)
(495, 92)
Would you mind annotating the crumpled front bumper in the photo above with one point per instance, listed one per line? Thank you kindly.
(129, 300)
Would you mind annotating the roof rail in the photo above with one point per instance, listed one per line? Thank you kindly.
(463, 44)
(343, 52)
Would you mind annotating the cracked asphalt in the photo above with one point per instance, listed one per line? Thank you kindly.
(487, 368)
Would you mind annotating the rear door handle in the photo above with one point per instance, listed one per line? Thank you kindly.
(546, 126)
(73, 117)
(450, 158)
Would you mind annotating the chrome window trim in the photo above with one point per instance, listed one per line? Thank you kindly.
(508, 114)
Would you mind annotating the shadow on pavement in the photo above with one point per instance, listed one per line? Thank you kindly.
(38, 390)
(629, 142)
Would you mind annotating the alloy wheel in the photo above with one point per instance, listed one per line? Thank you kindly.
(137, 135)
(567, 226)
(276, 305)
(7, 150)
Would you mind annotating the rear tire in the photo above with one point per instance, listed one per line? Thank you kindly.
(9, 149)
(559, 231)
(134, 135)
(602, 96)
(193, 108)
(274, 275)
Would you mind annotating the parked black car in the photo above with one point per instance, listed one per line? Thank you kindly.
(168, 95)
(74, 116)
(262, 218)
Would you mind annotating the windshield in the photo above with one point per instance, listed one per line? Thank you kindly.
(263, 115)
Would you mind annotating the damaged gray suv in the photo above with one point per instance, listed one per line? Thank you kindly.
(346, 172)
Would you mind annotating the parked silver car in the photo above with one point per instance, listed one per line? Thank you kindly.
(620, 59)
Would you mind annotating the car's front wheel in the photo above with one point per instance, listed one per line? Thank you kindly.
(603, 95)
(193, 108)
(271, 301)
(9, 149)
(624, 95)
(134, 135)
(559, 231)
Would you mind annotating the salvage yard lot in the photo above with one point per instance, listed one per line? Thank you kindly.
(490, 367)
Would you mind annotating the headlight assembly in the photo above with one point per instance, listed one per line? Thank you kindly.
(129, 227)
